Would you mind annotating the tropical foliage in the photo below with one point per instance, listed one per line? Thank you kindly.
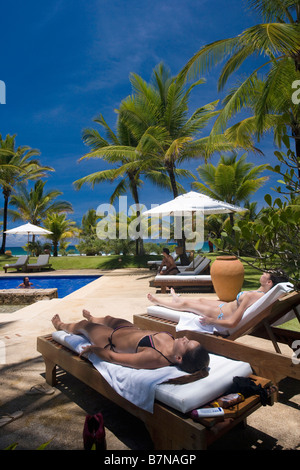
(267, 91)
(16, 166)
(155, 136)
(61, 228)
(36, 204)
(271, 241)
(232, 180)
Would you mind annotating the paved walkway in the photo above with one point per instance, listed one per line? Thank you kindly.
(59, 418)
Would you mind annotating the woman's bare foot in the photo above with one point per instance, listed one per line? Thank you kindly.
(87, 315)
(56, 321)
(174, 295)
(153, 299)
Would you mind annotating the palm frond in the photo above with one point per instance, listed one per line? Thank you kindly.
(95, 178)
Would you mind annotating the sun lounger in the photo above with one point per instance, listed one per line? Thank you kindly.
(185, 282)
(276, 307)
(19, 265)
(187, 278)
(169, 423)
(42, 262)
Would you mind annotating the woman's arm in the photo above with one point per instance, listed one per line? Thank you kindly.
(146, 359)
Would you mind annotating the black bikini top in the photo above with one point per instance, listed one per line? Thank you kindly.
(147, 342)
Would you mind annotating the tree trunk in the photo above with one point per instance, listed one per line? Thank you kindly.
(181, 242)
(296, 135)
(55, 246)
(139, 242)
(6, 197)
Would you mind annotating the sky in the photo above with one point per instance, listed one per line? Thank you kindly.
(66, 61)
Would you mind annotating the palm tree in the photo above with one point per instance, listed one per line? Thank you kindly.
(164, 104)
(119, 149)
(61, 229)
(154, 136)
(160, 112)
(231, 180)
(89, 222)
(36, 204)
(16, 166)
(278, 39)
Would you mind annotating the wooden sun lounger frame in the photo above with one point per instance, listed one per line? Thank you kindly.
(168, 429)
(182, 282)
(275, 366)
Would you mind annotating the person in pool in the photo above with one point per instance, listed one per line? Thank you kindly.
(216, 312)
(120, 342)
(26, 284)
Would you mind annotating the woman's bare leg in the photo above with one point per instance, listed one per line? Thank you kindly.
(73, 328)
(108, 320)
(89, 317)
(198, 306)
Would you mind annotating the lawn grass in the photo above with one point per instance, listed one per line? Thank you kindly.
(88, 262)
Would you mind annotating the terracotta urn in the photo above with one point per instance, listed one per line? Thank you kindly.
(227, 274)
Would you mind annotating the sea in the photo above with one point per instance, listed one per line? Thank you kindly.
(72, 250)
(19, 251)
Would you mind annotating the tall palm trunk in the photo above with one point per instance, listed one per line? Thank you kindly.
(139, 242)
(6, 193)
(180, 241)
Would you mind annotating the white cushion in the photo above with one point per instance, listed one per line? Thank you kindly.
(183, 277)
(190, 396)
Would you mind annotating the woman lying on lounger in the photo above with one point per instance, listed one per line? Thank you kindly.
(120, 342)
(226, 314)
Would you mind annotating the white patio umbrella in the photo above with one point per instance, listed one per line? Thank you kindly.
(28, 229)
(193, 202)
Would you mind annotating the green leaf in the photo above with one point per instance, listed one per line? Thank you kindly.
(268, 199)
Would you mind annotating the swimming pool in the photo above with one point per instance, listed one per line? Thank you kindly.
(65, 284)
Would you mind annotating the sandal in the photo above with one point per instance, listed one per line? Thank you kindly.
(40, 390)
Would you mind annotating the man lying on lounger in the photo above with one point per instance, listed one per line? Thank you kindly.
(226, 314)
(120, 342)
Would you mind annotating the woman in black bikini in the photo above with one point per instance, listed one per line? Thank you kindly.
(120, 342)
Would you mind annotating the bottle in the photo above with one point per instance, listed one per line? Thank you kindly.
(207, 413)
(228, 400)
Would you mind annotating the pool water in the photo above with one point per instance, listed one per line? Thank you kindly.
(65, 284)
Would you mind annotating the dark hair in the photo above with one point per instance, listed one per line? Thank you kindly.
(195, 362)
(166, 250)
(277, 276)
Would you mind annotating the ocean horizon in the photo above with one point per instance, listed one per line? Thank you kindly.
(19, 250)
